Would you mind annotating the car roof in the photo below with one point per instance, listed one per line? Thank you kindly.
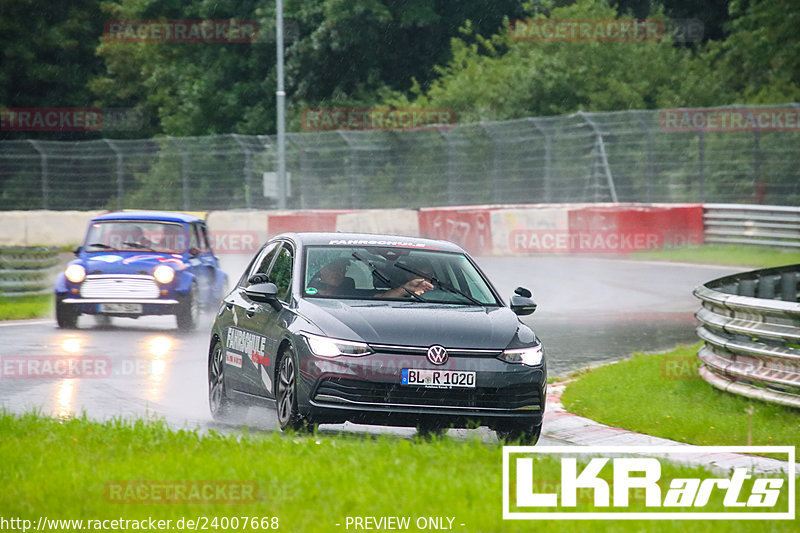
(168, 216)
(369, 239)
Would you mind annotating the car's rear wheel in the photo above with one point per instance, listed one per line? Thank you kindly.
(66, 315)
(524, 434)
(188, 310)
(218, 402)
(286, 397)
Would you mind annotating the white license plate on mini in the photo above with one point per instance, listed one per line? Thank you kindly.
(438, 378)
(128, 309)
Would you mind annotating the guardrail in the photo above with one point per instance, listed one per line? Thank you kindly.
(27, 270)
(750, 325)
(752, 224)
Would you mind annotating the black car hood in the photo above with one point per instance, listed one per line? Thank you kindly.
(413, 323)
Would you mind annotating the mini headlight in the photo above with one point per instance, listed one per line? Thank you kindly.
(327, 347)
(531, 356)
(163, 274)
(75, 273)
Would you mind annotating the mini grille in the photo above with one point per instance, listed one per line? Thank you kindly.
(113, 288)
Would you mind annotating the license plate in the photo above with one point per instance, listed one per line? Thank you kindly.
(438, 378)
(129, 309)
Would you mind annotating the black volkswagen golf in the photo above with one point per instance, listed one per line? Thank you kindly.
(376, 329)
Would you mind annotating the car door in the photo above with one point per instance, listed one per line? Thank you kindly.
(202, 263)
(269, 324)
(242, 341)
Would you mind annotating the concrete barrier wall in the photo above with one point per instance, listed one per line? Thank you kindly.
(44, 228)
(482, 230)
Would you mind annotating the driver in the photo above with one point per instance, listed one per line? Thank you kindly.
(413, 284)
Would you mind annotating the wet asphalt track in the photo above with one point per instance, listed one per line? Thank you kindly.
(590, 310)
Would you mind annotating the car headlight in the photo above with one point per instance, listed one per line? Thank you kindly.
(163, 274)
(530, 356)
(327, 347)
(75, 273)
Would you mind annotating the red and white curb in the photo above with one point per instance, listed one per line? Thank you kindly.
(569, 428)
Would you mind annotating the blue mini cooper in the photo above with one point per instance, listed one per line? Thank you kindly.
(141, 263)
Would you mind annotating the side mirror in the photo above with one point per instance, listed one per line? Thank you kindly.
(266, 293)
(522, 305)
(522, 291)
(257, 278)
(77, 250)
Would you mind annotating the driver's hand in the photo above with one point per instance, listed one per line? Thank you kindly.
(418, 286)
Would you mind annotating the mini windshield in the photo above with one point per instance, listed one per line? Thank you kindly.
(146, 235)
(380, 273)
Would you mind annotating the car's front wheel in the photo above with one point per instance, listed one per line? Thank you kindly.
(218, 402)
(286, 397)
(188, 310)
(66, 315)
(524, 434)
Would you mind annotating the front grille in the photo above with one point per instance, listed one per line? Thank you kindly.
(119, 287)
(340, 390)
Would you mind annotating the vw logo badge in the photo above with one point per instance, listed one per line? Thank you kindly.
(437, 355)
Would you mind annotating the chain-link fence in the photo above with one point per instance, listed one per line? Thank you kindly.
(627, 156)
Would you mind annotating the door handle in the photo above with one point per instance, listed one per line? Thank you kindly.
(250, 311)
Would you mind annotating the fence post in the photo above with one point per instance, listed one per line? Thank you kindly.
(120, 176)
(248, 170)
(548, 159)
(701, 163)
(184, 172)
(45, 177)
(757, 192)
(650, 176)
(604, 158)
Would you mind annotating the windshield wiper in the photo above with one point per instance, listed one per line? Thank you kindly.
(444, 285)
(100, 245)
(138, 246)
(383, 277)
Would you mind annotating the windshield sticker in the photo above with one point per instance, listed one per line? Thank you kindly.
(108, 258)
(405, 244)
(311, 290)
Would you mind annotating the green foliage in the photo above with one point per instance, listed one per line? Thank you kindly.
(673, 402)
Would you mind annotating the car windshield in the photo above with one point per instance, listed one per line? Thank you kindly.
(381, 273)
(146, 235)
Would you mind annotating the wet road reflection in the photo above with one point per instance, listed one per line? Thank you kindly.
(590, 310)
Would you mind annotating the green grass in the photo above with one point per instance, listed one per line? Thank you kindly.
(22, 307)
(68, 469)
(724, 254)
(663, 395)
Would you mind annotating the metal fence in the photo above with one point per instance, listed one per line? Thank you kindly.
(752, 224)
(582, 157)
(750, 325)
(27, 270)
